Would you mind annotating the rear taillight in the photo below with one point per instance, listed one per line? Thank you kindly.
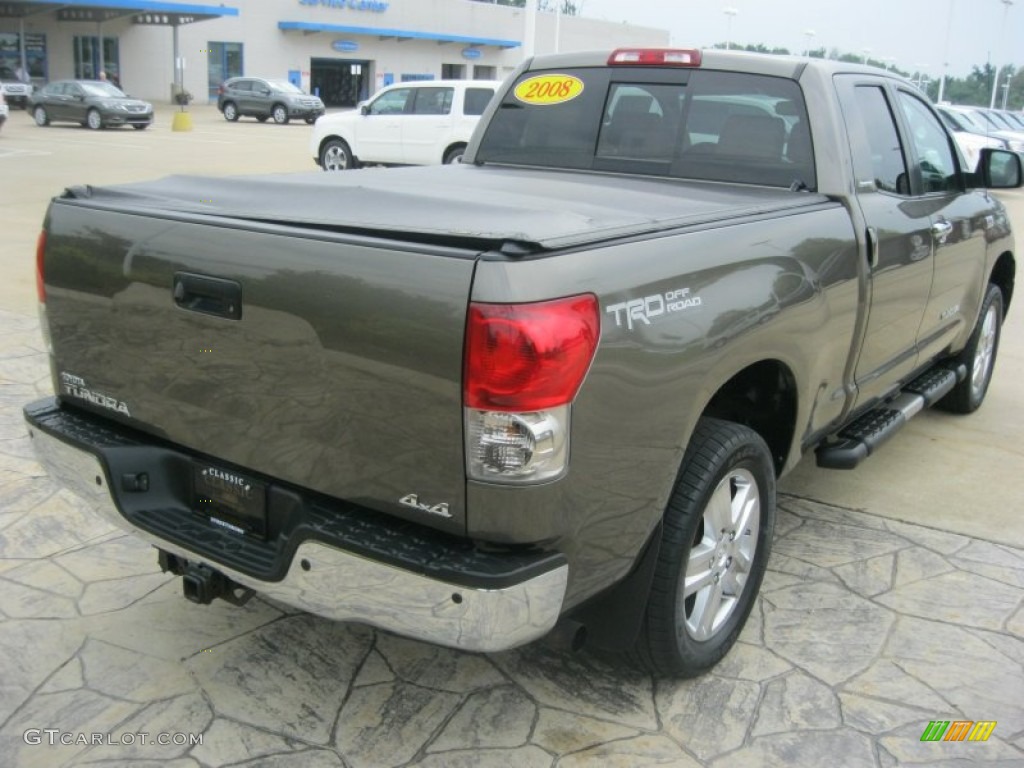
(524, 365)
(655, 57)
(44, 323)
(40, 252)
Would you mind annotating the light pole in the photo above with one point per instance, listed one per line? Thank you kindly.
(1002, 48)
(729, 13)
(866, 51)
(808, 33)
(945, 53)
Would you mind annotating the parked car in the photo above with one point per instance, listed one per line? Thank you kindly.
(14, 90)
(3, 110)
(92, 103)
(970, 137)
(263, 99)
(420, 123)
(989, 126)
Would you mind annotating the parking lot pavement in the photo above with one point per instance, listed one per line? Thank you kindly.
(868, 627)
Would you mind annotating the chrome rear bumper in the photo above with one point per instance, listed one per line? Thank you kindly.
(338, 584)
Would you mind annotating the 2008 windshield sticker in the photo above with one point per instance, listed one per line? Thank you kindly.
(545, 90)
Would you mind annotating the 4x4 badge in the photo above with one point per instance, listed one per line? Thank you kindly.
(412, 500)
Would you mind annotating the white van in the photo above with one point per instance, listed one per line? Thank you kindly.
(418, 123)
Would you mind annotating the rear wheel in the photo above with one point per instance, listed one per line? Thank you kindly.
(140, 126)
(979, 356)
(280, 114)
(262, 118)
(40, 116)
(714, 551)
(230, 111)
(454, 155)
(94, 120)
(336, 156)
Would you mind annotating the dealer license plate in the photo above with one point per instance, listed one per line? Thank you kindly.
(231, 500)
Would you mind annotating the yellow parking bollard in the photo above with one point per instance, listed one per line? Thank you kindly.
(182, 121)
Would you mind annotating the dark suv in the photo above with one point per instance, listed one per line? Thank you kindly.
(262, 99)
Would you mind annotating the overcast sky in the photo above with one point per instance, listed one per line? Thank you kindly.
(911, 32)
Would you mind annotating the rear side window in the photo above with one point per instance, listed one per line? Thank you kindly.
(477, 100)
(433, 101)
(241, 85)
(699, 124)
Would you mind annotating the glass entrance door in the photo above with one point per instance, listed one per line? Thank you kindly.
(87, 58)
(224, 60)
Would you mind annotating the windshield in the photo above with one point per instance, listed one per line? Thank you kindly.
(697, 124)
(103, 90)
(284, 86)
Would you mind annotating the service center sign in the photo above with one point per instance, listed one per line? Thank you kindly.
(356, 5)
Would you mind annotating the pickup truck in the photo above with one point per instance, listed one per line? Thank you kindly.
(544, 392)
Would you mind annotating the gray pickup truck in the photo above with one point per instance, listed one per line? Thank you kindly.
(548, 390)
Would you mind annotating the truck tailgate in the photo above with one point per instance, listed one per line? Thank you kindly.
(329, 361)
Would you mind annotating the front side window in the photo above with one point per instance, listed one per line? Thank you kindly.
(936, 165)
(698, 124)
(391, 102)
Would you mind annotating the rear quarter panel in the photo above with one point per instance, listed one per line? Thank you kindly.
(781, 289)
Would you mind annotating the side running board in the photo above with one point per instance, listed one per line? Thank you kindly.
(858, 440)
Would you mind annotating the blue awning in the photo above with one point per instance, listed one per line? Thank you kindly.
(146, 11)
(398, 34)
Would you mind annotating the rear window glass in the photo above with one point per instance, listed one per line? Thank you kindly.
(718, 126)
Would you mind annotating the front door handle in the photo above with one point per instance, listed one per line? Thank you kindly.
(941, 230)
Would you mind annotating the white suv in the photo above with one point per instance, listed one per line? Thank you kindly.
(419, 123)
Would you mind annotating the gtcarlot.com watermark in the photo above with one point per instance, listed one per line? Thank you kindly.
(55, 737)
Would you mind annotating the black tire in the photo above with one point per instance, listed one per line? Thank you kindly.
(979, 356)
(231, 111)
(335, 155)
(140, 126)
(722, 547)
(39, 115)
(311, 119)
(94, 120)
(262, 118)
(280, 114)
(454, 155)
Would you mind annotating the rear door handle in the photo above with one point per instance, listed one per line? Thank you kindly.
(208, 295)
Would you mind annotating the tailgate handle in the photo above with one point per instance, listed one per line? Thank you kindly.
(208, 295)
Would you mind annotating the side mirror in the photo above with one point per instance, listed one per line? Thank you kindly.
(999, 169)
(364, 109)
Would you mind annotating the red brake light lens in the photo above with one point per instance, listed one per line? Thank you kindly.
(528, 357)
(40, 252)
(655, 57)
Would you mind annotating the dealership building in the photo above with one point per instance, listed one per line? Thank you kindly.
(343, 50)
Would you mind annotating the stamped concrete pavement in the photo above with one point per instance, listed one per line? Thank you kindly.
(867, 629)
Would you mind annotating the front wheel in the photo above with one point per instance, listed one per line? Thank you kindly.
(93, 120)
(979, 356)
(717, 535)
(140, 126)
(336, 156)
(280, 114)
(39, 115)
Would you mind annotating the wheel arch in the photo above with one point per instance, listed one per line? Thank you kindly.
(451, 146)
(1002, 276)
(762, 396)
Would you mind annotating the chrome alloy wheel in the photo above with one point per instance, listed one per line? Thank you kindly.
(722, 555)
(984, 354)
